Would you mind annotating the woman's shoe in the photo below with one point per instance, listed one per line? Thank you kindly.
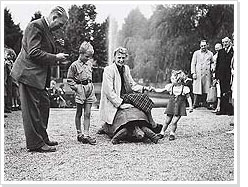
(160, 136)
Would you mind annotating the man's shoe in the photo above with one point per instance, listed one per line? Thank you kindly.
(51, 143)
(171, 137)
(45, 148)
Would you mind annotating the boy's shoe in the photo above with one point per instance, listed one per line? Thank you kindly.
(160, 136)
(171, 137)
(89, 140)
(80, 138)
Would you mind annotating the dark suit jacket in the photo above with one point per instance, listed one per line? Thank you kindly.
(223, 69)
(32, 66)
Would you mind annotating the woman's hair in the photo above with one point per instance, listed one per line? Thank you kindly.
(121, 50)
(179, 75)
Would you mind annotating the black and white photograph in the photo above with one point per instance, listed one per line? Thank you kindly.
(119, 92)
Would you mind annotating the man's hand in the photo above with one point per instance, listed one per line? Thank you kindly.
(62, 56)
(126, 105)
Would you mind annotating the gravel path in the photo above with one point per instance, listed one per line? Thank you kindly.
(202, 151)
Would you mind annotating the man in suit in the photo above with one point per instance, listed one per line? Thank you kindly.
(32, 70)
(223, 74)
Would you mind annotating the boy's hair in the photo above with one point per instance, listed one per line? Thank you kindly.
(86, 47)
(180, 76)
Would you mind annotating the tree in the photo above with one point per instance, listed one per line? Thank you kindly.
(100, 43)
(12, 32)
(179, 28)
(79, 28)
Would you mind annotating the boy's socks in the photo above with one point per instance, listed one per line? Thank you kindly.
(86, 133)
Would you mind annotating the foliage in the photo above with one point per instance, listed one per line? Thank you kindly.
(12, 32)
(100, 43)
(156, 45)
(168, 39)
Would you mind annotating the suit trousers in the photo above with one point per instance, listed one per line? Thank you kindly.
(35, 107)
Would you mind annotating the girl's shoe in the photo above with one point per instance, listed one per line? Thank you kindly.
(216, 110)
(160, 136)
(171, 137)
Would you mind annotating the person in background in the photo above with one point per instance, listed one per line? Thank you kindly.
(176, 108)
(80, 80)
(224, 75)
(216, 82)
(9, 57)
(32, 70)
(61, 91)
(233, 78)
(201, 73)
(53, 94)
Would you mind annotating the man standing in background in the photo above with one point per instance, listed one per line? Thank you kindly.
(201, 73)
(224, 75)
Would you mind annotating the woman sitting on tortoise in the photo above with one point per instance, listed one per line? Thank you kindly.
(124, 107)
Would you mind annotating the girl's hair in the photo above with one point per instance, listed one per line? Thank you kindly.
(179, 75)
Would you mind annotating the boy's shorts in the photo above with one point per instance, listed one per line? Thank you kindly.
(85, 93)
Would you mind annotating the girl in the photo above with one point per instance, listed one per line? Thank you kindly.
(80, 80)
(177, 103)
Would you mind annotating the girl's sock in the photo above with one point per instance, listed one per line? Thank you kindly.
(172, 133)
